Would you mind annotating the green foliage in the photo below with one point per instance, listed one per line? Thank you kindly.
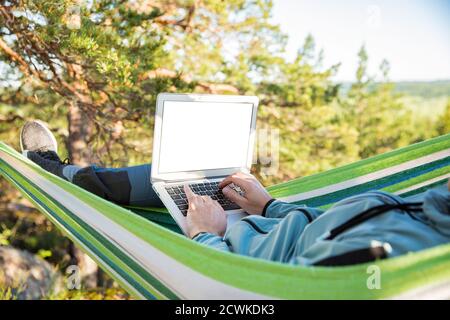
(376, 112)
(7, 294)
(300, 83)
(97, 294)
(4, 236)
(109, 59)
(218, 34)
(443, 126)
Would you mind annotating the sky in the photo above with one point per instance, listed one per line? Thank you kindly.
(413, 35)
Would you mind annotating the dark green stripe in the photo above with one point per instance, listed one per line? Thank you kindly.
(424, 188)
(375, 184)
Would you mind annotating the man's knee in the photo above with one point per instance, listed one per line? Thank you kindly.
(110, 185)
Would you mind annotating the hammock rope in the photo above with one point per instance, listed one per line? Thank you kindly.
(142, 249)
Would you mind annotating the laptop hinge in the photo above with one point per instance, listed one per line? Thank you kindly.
(191, 179)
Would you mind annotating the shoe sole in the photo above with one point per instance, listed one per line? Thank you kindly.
(47, 130)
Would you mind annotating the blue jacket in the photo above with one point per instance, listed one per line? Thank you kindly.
(297, 234)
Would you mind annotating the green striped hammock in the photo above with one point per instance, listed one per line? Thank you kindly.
(143, 250)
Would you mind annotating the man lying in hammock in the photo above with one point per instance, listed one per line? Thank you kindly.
(358, 229)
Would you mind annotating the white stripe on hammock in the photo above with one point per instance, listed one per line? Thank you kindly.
(368, 177)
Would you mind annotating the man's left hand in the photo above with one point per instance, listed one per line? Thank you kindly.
(204, 215)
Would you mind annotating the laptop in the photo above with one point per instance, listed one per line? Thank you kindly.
(199, 140)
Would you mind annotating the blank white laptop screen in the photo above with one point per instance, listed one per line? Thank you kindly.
(204, 135)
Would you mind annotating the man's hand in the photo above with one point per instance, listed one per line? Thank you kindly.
(255, 196)
(204, 215)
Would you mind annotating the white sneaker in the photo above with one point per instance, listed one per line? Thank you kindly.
(35, 136)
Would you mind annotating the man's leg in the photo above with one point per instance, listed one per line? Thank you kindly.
(128, 186)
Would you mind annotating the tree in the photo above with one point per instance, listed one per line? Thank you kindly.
(300, 83)
(92, 56)
(221, 41)
(95, 66)
(301, 101)
(376, 111)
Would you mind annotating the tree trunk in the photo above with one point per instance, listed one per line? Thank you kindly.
(80, 130)
(80, 153)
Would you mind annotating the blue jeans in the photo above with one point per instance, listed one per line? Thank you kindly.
(126, 186)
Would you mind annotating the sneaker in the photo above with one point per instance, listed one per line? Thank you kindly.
(48, 160)
(39, 145)
(35, 136)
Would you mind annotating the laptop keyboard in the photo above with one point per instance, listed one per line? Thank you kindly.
(204, 189)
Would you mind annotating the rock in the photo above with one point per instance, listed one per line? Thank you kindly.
(29, 276)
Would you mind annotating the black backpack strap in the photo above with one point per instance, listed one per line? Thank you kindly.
(369, 214)
(354, 257)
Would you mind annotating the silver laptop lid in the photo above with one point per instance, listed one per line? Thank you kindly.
(198, 136)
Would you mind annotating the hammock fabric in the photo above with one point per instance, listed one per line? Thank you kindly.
(142, 250)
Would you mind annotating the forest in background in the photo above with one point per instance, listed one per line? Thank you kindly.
(92, 70)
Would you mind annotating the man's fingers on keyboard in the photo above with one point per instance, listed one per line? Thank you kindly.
(189, 194)
(233, 195)
(233, 179)
(230, 179)
(225, 182)
(206, 198)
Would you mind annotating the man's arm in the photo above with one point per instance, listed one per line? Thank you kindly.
(212, 240)
(207, 221)
(280, 209)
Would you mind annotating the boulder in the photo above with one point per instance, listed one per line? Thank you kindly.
(29, 276)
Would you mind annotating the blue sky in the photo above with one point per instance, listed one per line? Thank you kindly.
(413, 35)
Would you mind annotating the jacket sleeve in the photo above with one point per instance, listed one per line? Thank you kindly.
(212, 240)
(279, 209)
(436, 206)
